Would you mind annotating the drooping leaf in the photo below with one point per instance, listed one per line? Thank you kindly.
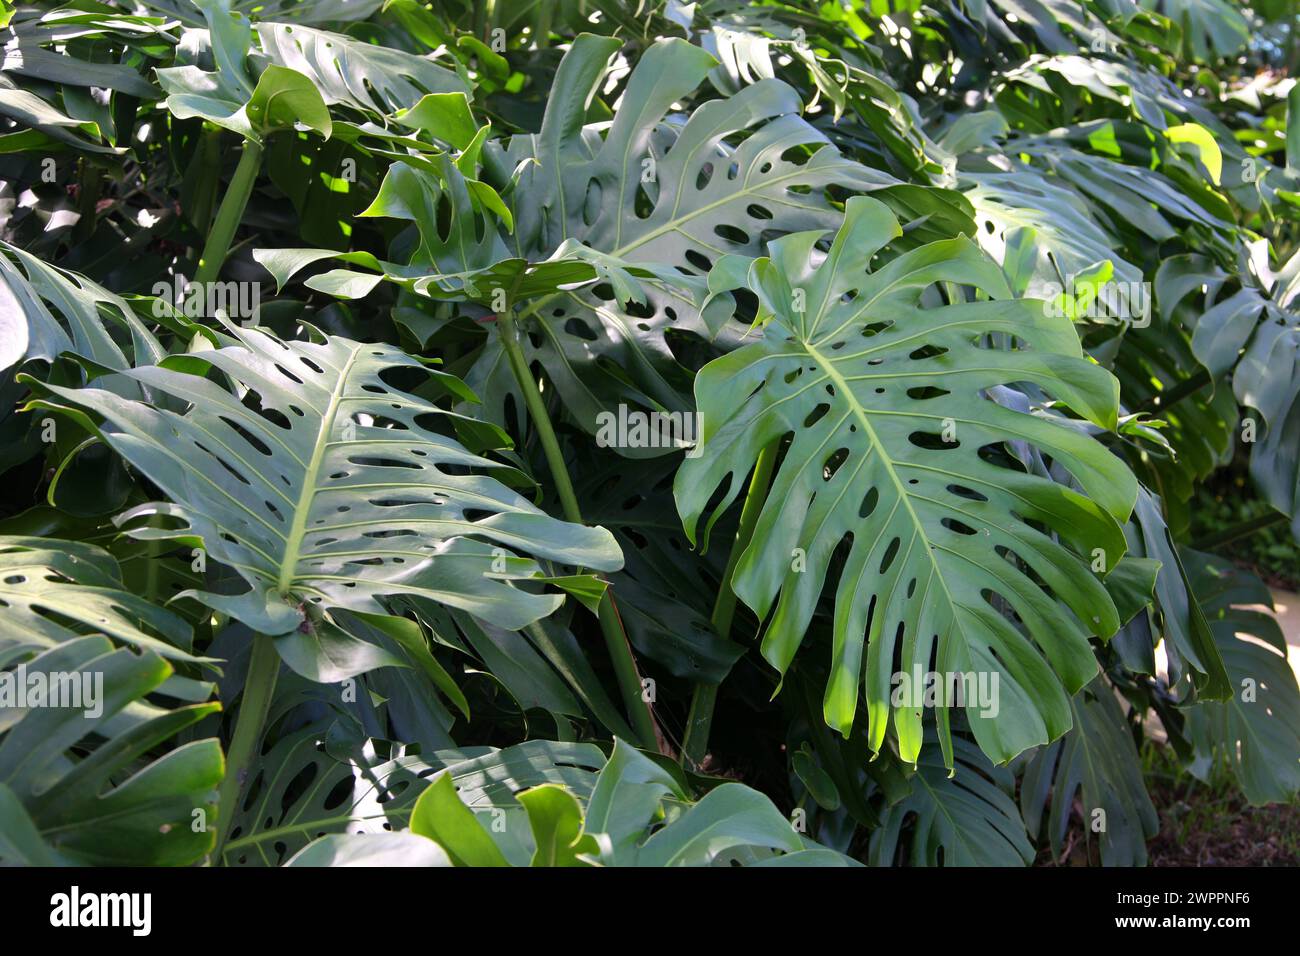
(963, 819)
(1096, 763)
(1193, 654)
(1257, 730)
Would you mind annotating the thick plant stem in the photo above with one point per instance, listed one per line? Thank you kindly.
(259, 688)
(629, 678)
(229, 214)
(540, 417)
(207, 160)
(620, 650)
(700, 719)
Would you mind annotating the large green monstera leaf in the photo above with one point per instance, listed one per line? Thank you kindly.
(322, 484)
(1257, 730)
(652, 189)
(953, 558)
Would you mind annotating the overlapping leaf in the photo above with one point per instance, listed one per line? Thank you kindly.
(81, 717)
(1257, 730)
(320, 483)
(1254, 334)
(964, 819)
(654, 189)
(1096, 763)
(935, 533)
(610, 820)
(311, 786)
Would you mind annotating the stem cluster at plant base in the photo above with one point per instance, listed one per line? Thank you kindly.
(229, 214)
(700, 719)
(611, 627)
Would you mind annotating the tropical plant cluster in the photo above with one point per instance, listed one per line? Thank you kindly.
(582, 432)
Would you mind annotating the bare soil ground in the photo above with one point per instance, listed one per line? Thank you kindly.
(1208, 826)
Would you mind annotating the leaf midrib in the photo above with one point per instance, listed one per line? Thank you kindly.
(843, 387)
(307, 493)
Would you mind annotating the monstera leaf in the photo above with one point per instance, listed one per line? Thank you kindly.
(1198, 428)
(272, 76)
(1060, 26)
(893, 460)
(747, 56)
(351, 72)
(1047, 93)
(1257, 730)
(322, 485)
(77, 782)
(32, 292)
(1089, 157)
(113, 806)
(82, 585)
(1022, 214)
(1252, 333)
(1193, 655)
(611, 820)
(653, 190)
(1097, 763)
(230, 96)
(459, 256)
(966, 818)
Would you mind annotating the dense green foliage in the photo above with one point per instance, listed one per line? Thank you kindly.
(560, 433)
